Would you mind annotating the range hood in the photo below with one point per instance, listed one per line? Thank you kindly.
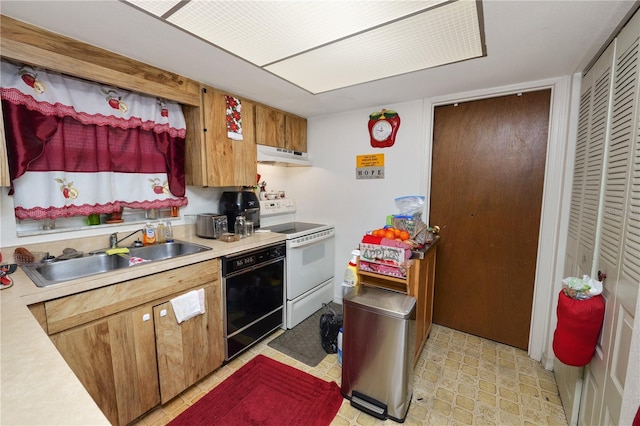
(282, 157)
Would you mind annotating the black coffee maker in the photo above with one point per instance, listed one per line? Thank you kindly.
(240, 203)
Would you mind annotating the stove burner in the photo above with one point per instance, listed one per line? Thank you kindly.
(295, 227)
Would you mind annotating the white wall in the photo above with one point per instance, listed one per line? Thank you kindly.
(328, 192)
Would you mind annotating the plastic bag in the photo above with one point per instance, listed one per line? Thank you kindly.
(410, 205)
(330, 324)
(581, 288)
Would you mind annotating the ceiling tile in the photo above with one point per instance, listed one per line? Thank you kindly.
(155, 7)
(326, 45)
(443, 35)
(263, 32)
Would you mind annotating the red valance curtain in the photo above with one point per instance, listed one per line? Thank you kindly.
(77, 148)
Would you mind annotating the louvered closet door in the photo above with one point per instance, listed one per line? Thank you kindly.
(587, 172)
(593, 121)
(620, 241)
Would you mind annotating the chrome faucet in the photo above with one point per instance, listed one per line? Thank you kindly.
(114, 241)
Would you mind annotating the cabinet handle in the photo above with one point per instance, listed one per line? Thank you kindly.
(146, 317)
(163, 312)
(601, 276)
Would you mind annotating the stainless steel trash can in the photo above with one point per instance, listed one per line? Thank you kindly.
(377, 351)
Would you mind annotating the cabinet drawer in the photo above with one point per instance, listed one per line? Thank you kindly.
(84, 307)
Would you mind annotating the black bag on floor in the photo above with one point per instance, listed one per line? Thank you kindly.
(330, 324)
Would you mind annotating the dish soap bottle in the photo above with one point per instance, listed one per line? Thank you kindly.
(149, 235)
(351, 273)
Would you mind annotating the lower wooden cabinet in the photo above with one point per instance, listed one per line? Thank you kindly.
(134, 359)
(185, 351)
(115, 359)
(423, 292)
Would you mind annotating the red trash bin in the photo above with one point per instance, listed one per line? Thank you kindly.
(579, 323)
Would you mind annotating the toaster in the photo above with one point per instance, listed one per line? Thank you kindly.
(211, 225)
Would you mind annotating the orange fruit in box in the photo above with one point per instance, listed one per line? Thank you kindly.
(404, 235)
(390, 234)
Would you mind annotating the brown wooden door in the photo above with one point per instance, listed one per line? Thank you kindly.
(486, 195)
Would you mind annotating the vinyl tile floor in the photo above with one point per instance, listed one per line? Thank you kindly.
(460, 379)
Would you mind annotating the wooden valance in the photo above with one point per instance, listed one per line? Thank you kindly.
(34, 46)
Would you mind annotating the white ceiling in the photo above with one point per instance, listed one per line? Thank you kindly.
(322, 45)
(525, 41)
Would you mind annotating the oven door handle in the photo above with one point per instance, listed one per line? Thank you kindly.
(295, 243)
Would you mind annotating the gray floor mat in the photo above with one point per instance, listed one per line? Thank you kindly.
(302, 342)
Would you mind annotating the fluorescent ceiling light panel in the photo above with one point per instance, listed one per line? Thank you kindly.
(326, 45)
(440, 36)
(263, 32)
(155, 7)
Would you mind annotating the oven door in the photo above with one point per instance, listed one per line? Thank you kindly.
(310, 262)
(253, 305)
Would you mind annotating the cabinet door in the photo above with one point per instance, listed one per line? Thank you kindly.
(270, 126)
(426, 274)
(190, 350)
(115, 359)
(295, 133)
(228, 162)
(213, 158)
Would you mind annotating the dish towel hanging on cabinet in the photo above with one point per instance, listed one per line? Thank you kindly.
(188, 305)
(234, 118)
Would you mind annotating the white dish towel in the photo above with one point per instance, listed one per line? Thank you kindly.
(188, 305)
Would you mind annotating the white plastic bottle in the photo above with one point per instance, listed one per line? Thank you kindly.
(351, 273)
(149, 236)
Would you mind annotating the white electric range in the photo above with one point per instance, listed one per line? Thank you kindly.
(309, 259)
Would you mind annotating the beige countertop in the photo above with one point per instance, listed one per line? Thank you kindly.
(37, 387)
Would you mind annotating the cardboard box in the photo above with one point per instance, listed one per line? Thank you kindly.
(392, 271)
(384, 255)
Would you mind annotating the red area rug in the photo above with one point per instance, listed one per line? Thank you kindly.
(266, 392)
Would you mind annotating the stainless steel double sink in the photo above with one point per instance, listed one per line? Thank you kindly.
(46, 274)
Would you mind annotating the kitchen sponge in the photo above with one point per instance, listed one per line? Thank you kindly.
(119, 250)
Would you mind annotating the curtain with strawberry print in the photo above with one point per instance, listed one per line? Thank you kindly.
(77, 147)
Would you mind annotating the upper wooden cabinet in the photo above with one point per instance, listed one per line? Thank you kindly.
(295, 136)
(280, 129)
(213, 159)
(270, 127)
